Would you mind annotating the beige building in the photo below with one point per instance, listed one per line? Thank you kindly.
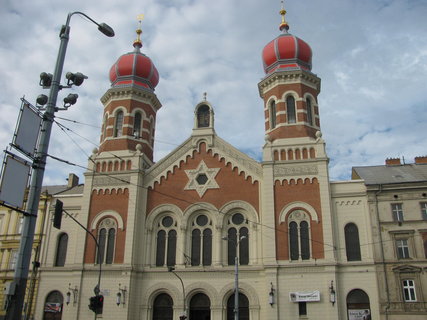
(10, 237)
(302, 244)
(397, 199)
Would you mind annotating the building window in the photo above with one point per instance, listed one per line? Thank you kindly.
(293, 240)
(272, 112)
(409, 294)
(397, 211)
(137, 125)
(104, 127)
(402, 248)
(352, 244)
(302, 308)
(299, 236)
(203, 116)
(13, 259)
(61, 250)
(163, 307)
(19, 224)
(118, 126)
(423, 210)
(290, 109)
(425, 248)
(243, 307)
(107, 241)
(309, 112)
(166, 242)
(238, 228)
(201, 241)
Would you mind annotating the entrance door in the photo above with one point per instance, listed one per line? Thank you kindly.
(358, 306)
(200, 307)
(243, 307)
(163, 307)
(53, 306)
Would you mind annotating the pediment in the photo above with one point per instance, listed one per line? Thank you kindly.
(216, 146)
(407, 269)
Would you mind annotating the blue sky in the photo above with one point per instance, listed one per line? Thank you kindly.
(371, 56)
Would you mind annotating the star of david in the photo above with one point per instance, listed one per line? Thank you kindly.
(202, 178)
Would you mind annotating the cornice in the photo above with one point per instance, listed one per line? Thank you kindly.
(288, 77)
(133, 92)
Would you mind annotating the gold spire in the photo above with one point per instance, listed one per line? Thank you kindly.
(283, 25)
(138, 41)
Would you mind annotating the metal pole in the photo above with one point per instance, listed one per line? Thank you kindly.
(184, 312)
(236, 284)
(14, 311)
(29, 223)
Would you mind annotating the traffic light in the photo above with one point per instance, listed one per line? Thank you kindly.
(57, 217)
(96, 304)
(99, 304)
(92, 303)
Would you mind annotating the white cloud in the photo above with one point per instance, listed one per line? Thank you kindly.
(370, 54)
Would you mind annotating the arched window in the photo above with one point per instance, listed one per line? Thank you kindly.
(200, 307)
(352, 245)
(166, 242)
(272, 114)
(290, 109)
(293, 240)
(299, 235)
(151, 138)
(53, 306)
(305, 240)
(358, 300)
(118, 125)
(163, 307)
(201, 241)
(203, 116)
(238, 237)
(309, 111)
(243, 307)
(104, 127)
(61, 250)
(107, 230)
(137, 125)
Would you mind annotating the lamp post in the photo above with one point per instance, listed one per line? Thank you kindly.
(236, 275)
(184, 312)
(24, 256)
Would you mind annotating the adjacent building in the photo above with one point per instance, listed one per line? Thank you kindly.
(397, 199)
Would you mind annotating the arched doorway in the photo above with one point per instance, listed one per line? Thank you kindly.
(243, 307)
(53, 306)
(358, 306)
(163, 307)
(200, 307)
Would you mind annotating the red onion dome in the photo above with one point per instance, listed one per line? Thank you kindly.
(286, 52)
(134, 68)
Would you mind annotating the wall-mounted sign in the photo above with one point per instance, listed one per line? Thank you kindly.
(359, 314)
(304, 296)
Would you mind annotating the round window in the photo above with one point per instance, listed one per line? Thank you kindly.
(167, 222)
(202, 220)
(237, 218)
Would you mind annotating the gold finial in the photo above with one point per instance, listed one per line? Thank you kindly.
(283, 25)
(138, 41)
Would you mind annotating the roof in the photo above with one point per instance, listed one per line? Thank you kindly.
(391, 174)
(54, 189)
(74, 190)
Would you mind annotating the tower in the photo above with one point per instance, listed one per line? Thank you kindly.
(294, 156)
(130, 105)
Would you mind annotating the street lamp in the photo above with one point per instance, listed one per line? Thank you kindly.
(24, 256)
(184, 312)
(236, 275)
